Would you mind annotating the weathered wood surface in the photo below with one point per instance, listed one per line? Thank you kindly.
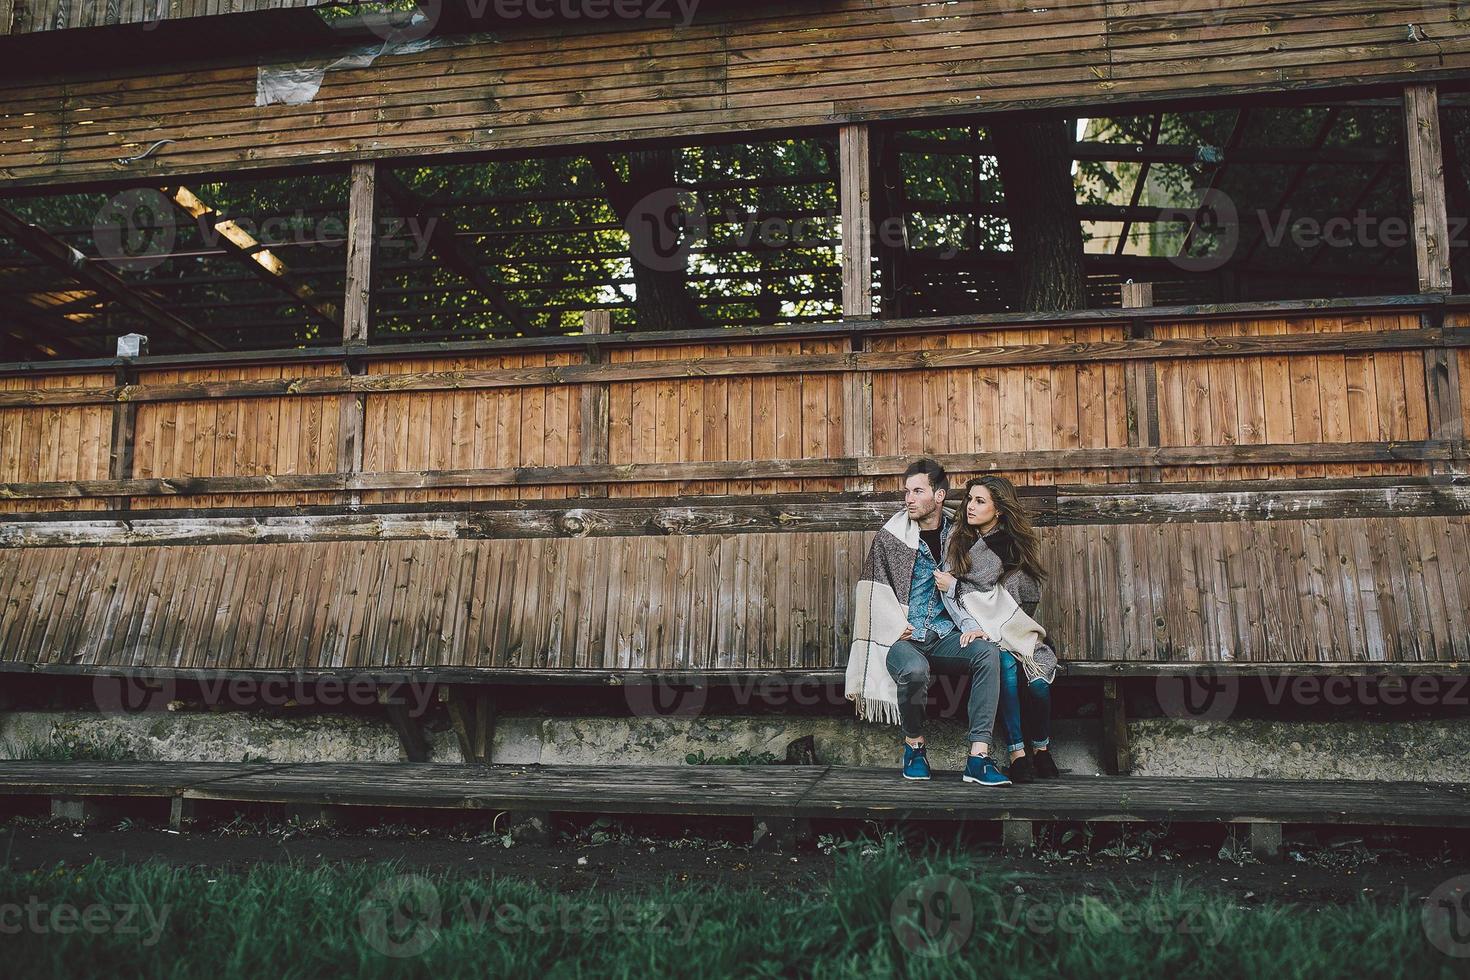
(793, 791)
(1255, 500)
(737, 68)
(1347, 589)
(1262, 397)
(38, 16)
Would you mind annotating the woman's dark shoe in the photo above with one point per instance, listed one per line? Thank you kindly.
(1021, 771)
(1043, 765)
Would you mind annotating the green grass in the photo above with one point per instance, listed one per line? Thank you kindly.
(293, 921)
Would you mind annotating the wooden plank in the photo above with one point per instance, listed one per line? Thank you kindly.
(854, 154)
(594, 434)
(1426, 187)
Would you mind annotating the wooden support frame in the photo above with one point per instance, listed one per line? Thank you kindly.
(1430, 217)
(473, 718)
(1141, 382)
(595, 435)
(1116, 756)
(410, 728)
(855, 187)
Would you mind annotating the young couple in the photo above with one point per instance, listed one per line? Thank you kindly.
(955, 595)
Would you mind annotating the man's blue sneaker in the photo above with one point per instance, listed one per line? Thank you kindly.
(915, 762)
(982, 769)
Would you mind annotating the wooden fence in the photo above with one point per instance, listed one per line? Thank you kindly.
(1274, 484)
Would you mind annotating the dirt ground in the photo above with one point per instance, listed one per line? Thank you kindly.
(1321, 866)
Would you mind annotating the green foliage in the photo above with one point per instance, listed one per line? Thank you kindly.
(291, 921)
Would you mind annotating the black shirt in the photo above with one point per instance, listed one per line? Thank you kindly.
(932, 539)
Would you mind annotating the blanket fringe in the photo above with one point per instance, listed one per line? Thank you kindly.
(879, 712)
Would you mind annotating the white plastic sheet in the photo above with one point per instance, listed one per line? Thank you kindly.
(299, 82)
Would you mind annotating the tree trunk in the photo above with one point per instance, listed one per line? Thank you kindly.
(662, 300)
(1036, 170)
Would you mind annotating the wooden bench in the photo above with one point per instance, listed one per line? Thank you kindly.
(780, 801)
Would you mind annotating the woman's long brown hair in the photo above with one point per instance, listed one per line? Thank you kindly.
(1013, 517)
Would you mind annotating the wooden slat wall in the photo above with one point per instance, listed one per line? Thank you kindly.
(438, 430)
(35, 16)
(63, 442)
(1375, 589)
(741, 68)
(1373, 398)
(1304, 399)
(249, 437)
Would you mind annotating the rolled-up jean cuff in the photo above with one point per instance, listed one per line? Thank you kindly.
(1018, 747)
(1041, 744)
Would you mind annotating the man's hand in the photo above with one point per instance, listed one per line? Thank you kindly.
(908, 631)
(943, 580)
(967, 638)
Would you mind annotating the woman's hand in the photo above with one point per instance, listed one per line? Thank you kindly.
(943, 580)
(908, 632)
(967, 638)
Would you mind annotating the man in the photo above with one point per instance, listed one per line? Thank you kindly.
(904, 632)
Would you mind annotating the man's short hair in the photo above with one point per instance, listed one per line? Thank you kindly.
(938, 479)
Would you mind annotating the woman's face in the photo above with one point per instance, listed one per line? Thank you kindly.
(979, 508)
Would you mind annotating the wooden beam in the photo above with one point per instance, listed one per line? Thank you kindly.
(977, 323)
(594, 434)
(1352, 342)
(1426, 188)
(1141, 381)
(96, 276)
(124, 426)
(855, 186)
(448, 248)
(1115, 751)
(1109, 504)
(257, 257)
(362, 216)
(766, 469)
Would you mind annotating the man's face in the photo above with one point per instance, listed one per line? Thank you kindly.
(920, 498)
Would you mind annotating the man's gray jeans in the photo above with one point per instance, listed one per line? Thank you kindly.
(911, 665)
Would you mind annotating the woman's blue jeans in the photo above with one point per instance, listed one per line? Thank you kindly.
(1037, 716)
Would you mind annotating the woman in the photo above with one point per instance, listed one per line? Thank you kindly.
(1011, 557)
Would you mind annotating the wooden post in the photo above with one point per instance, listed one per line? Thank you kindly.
(1141, 383)
(182, 813)
(856, 169)
(1016, 836)
(410, 729)
(1426, 188)
(474, 722)
(1115, 753)
(124, 426)
(357, 310)
(856, 187)
(594, 431)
